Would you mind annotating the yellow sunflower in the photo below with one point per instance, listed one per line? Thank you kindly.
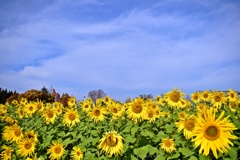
(49, 116)
(26, 147)
(31, 135)
(136, 109)
(232, 95)
(15, 133)
(39, 106)
(71, 117)
(76, 153)
(86, 107)
(6, 154)
(72, 102)
(213, 134)
(173, 98)
(205, 96)
(218, 99)
(150, 115)
(97, 114)
(23, 100)
(20, 112)
(56, 150)
(168, 145)
(187, 125)
(106, 99)
(195, 97)
(30, 108)
(182, 115)
(111, 144)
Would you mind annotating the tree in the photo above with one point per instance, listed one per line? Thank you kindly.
(95, 94)
(146, 96)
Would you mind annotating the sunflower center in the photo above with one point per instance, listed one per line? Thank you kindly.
(232, 95)
(189, 124)
(71, 116)
(30, 108)
(50, 114)
(212, 133)
(157, 112)
(137, 108)
(217, 98)
(111, 141)
(72, 101)
(8, 152)
(78, 153)
(39, 106)
(175, 97)
(86, 106)
(57, 150)
(154, 106)
(195, 97)
(205, 95)
(97, 112)
(150, 115)
(115, 110)
(167, 143)
(27, 145)
(17, 132)
(182, 115)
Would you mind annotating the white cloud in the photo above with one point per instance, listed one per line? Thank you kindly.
(135, 52)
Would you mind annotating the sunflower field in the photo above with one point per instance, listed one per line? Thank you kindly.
(206, 126)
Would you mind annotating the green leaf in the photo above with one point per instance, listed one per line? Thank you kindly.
(152, 150)
(169, 128)
(61, 134)
(192, 158)
(159, 136)
(233, 153)
(160, 158)
(133, 157)
(202, 157)
(127, 129)
(89, 155)
(186, 152)
(174, 156)
(146, 133)
(141, 152)
(130, 139)
(67, 141)
(134, 130)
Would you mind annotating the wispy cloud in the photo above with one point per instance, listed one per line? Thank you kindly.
(139, 50)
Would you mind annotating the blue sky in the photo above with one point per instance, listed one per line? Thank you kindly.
(126, 48)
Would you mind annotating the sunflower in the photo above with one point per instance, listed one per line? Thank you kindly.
(39, 106)
(20, 112)
(173, 98)
(76, 153)
(195, 97)
(111, 144)
(30, 108)
(187, 125)
(106, 99)
(205, 96)
(6, 153)
(56, 150)
(31, 135)
(232, 95)
(72, 102)
(213, 134)
(71, 117)
(26, 147)
(150, 115)
(136, 109)
(49, 116)
(182, 115)
(97, 114)
(23, 101)
(86, 107)
(218, 99)
(168, 145)
(15, 133)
